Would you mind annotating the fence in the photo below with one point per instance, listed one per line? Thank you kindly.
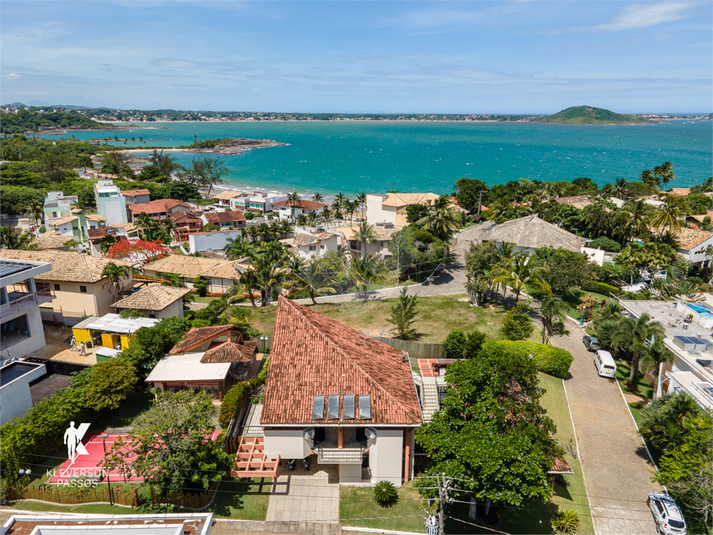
(414, 349)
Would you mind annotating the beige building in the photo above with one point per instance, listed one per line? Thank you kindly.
(220, 274)
(378, 247)
(76, 283)
(155, 301)
(390, 209)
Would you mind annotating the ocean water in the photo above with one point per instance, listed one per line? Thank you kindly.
(353, 157)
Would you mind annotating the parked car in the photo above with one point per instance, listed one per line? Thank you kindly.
(591, 343)
(606, 367)
(667, 515)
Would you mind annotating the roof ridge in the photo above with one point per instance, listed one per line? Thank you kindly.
(356, 365)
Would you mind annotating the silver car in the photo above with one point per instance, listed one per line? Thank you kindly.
(667, 515)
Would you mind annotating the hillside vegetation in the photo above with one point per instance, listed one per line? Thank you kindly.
(37, 121)
(590, 115)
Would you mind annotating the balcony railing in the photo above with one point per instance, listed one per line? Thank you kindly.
(329, 453)
(26, 301)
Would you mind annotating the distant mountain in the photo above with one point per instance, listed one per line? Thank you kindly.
(14, 105)
(590, 115)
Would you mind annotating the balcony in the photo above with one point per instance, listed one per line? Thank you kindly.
(19, 301)
(329, 452)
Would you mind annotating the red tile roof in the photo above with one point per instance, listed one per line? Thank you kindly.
(157, 207)
(225, 217)
(304, 204)
(231, 352)
(135, 192)
(97, 233)
(198, 336)
(313, 355)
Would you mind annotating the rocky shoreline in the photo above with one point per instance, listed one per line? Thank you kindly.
(236, 146)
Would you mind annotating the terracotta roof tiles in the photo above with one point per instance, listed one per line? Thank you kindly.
(66, 266)
(160, 206)
(198, 336)
(135, 192)
(224, 217)
(231, 352)
(155, 298)
(302, 204)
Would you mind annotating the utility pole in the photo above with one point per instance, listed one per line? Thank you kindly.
(443, 487)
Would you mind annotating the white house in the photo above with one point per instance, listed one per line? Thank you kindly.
(328, 397)
(211, 241)
(310, 245)
(258, 203)
(222, 199)
(155, 301)
(693, 245)
(15, 395)
(57, 205)
(390, 209)
(289, 210)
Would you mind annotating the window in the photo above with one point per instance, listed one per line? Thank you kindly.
(152, 316)
(312, 248)
(349, 407)
(333, 408)
(56, 288)
(83, 289)
(365, 407)
(318, 408)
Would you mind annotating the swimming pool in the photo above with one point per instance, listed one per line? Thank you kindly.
(702, 310)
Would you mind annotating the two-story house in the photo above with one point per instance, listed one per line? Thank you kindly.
(290, 210)
(258, 203)
(57, 205)
(225, 220)
(158, 210)
(111, 204)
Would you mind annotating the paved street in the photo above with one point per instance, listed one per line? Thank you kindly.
(616, 466)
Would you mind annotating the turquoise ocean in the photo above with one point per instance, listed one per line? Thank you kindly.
(377, 156)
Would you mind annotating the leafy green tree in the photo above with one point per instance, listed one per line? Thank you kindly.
(168, 447)
(107, 386)
(414, 212)
(200, 284)
(564, 270)
(115, 273)
(403, 316)
(638, 336)
(454, 345)
(605, 244)
(128, 313)
(14, 238)
(474, 343)
(517, 324)
(442, 219)
(151, 344)
(13, 199)
(467, 192)
(491, 432)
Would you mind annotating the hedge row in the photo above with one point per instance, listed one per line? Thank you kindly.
(550, 360)
(236, 395)
(600, 287)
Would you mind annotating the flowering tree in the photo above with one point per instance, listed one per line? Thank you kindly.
(138, 251)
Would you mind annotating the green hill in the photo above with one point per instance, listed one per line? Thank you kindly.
(39, 121)
(590, 115)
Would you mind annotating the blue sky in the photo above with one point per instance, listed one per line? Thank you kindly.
(495, 56)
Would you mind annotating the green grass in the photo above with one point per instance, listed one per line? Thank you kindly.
(644, 389)
(437, 316)
(242, 499)
(404, 515)
(198, 299)
(573, 301)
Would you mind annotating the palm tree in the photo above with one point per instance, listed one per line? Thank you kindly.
(519, 273)
(441, 221)
(637, 335)
(115, 273)
(667, 217)
(366, 270)
(554, 313)
(338, 203)
(366, 233)
(267, 264)
(361, 200)
(13, 238)
(236, 248)
(313, 279)
(317, 197)
(664, 172)
(620, 188)
(249, 283)
(35, 210)
(145, 223)
(636, 218)
(610, 309)
(302, 220)
(293, 201)
(170, 227)
(312, 219)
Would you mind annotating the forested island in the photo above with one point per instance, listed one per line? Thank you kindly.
(590, 115)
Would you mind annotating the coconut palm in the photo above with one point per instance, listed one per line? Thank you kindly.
(338, 203)
(635, 217)
(554, 313)
(35, 211)
(267, 264)
(302, 220)
(318, 197)
(620, 188)
(145, 223)
(366, 233)
(636, 336)
(366, 270)
(169, 225)
(361, 200)
(664, 172)
(293, 201)
(312, 219)
(666, 217)
(236, 248)
(313, 279)
(248, 282)
(519, 272)
(610, 309)
(13, 238)
(115, 273)
(441, 220)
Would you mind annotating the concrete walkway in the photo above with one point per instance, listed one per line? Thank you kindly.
(616, 465)
(301, 496)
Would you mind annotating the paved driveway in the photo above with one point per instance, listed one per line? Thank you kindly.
(616, 465)
(305, 497)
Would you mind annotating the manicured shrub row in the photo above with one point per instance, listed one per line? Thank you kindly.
(550, 360)
(600, 287)
(236, 395)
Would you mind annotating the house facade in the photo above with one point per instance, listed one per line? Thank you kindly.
(390, 209)
(186, 223)
(57, 205)
(227, 220)
(290, 210)
(220, 274)
(340, 397)
(74, 226)
(20, 299)
(357, 249)
(155, 301)
(258, 203)
(222, 200)
(308, 245)
(693, 245)
(111, 204)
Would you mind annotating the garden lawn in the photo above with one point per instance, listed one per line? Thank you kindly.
(436, 317)
(573, 301)
(199, 299)
(407, 514)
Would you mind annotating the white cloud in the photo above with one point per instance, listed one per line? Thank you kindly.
(636, 16)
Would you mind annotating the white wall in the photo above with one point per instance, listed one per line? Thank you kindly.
(596, 256)
(385, 456)
(35, 342)
(288, 443)
(15, 398)
(698, 254)
(376, 213)
(211, 240)
(113, 209)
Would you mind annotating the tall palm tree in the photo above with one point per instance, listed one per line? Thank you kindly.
(361, 200)
(236, 248)
(249, 283)
(366, 270)
(366, 233)
(664, 172)
(170, 227)
(636, 218)
(666, 217)
(350, 206)
(293, 201)
(338, 203)
(554, 313)
(636, 335)
(312, 278)
(318, 197)
(115, 273)
(312, 219)
(441, 220)
(145, 223)
(35, 211)
(519, 273)
(620, 188)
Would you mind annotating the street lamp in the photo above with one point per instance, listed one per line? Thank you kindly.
(581, 322)
(108, 478)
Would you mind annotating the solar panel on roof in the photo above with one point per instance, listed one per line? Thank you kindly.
(10, 268)
(333, 408)
(365, 407)
(349, 405)
(318, 408)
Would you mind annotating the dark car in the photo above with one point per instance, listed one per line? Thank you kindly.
(591, 343)
(667, 515)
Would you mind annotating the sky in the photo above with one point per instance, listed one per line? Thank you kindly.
(493, 56)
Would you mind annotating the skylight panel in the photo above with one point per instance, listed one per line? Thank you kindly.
(365, 407)
(318, 408)
(333, 408)
(349, 403)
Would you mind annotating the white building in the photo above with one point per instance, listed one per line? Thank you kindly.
(258, 203)
(57, 205)
(378, 247)
(211, 241)
(15, 396)
(693, 245)
(288, 210)
(390, 209)
(20, 299)
(308, 245)
(111, 204)
(327, 397)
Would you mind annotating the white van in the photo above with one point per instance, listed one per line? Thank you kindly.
(606, 367)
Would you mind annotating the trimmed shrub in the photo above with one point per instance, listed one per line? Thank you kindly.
(550, 360)
(566, 521)
(606, 244)
(600, 287)
(517, 324)
(385, 493)
(454, 345)
(236, 395)
(474, 344)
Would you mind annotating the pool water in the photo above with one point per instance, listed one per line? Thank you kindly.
(13, 371)
(702, 310)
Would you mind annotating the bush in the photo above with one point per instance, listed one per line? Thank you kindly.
(385, 493)
(600, 287)
(236, 395)
(566, 521)
(474, 344)
(606, 244)
(550, 360)
(454, 345)
(517, 324)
